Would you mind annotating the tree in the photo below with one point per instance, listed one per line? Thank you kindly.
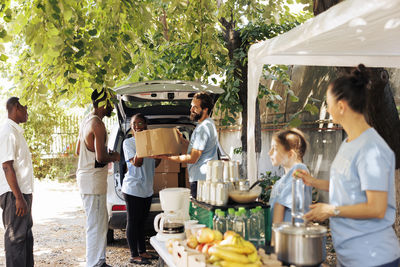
(67, 48)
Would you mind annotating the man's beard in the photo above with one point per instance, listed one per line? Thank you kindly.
(195, 116)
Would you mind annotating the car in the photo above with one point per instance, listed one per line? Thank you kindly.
(165, 104)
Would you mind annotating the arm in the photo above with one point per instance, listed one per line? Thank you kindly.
(311, 181)
(100, 148)
(20, 203)
(277, 217)
(375, 207)
(191, 158)
(136, 161)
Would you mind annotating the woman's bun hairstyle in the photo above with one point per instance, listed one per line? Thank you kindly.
(353, 88)
(292, 139)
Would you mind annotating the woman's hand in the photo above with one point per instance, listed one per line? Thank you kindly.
(319, 212)
(304, 175)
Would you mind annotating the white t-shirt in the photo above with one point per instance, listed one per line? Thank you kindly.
(13, 146)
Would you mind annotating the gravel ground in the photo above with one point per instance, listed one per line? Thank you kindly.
(59, 231)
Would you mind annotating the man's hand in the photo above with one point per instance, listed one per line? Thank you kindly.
(115, 155)
(21, 206)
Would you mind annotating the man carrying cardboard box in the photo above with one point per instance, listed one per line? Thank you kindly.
(202, 146)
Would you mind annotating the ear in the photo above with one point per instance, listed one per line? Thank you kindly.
(342, 106)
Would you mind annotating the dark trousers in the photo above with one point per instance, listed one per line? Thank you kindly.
(193, 189)
(137, 212)
(18, 238)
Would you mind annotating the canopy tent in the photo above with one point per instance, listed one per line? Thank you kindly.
(347, 34)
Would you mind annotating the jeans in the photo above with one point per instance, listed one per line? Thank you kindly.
(96, 228)
(137, 212)
(18, 238)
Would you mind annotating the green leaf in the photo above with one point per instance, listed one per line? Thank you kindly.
(3, 57)
(296, 122)
(92, 32)
(79, 67)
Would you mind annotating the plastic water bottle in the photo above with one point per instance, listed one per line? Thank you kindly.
(229, 219)
(221, 222)
(216, 218)
(298, 199)
(253, 227)
(261, 221)
(239, 223)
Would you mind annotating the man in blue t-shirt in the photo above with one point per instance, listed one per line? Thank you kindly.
(202, 146)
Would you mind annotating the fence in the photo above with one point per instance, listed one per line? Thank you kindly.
(65, 135)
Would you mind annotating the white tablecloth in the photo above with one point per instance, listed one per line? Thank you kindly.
(161, 249)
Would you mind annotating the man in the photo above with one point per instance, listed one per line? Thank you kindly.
(16, 187)
(203, 142)
(92, 177)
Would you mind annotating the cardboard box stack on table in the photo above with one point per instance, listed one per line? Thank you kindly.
(161, 141)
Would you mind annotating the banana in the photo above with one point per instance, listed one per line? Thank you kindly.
(253, 257)
(249, 245)
(238, 249)
(237, 264)
(228, 255)
(213, 259)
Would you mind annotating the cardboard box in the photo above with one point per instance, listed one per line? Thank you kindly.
(160, 141)
(168, 166)
(181, 254)
(164, 180)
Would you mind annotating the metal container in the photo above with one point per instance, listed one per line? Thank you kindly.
(300, 244)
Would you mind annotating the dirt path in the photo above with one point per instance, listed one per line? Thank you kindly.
(58, 229)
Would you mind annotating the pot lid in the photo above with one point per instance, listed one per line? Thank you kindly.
(299, 228)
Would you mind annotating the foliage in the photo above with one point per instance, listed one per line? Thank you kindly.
(267, 181)
(70, 47)
(39, 129)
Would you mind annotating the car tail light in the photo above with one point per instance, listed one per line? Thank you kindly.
(118, 207)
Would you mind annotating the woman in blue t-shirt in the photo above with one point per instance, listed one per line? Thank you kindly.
(137, 189)
(362, 198)
(287, 150)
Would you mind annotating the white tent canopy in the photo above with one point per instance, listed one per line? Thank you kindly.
(347, 34)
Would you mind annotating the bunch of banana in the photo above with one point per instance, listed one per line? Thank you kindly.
(234, 251)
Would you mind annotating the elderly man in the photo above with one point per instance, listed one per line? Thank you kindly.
(16, 187)
(92, 177)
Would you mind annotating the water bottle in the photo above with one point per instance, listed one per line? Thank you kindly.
(239, 223)
(229, 219)
(253, 227)
(216, 218)
(261, 221)
(298, 199)
(221, 222)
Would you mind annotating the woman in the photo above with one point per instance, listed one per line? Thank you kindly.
(137, 189)
(362, 199)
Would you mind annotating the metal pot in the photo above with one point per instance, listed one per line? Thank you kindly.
(300, 244)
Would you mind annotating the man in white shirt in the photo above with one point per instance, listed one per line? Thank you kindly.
(16, 187)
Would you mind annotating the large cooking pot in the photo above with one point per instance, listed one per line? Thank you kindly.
(300, 244)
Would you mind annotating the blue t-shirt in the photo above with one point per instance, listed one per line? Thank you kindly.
(204, 138)
(138, 181)
(366, 163)
(282, 193)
